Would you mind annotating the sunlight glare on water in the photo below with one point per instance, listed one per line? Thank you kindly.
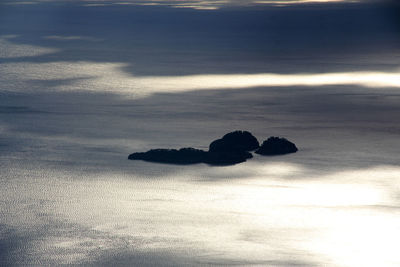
(261, 215)
(109, 77)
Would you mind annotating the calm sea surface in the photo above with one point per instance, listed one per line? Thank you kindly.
(84, 84)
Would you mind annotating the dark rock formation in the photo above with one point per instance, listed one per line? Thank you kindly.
(191, 156)
(276, 146)
(235, 141)
(227, 158)
(232, 148)
(173, 156)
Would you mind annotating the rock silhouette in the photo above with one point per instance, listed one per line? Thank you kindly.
(186, 155)
(276, 146)
(235, 141)
(190, 155)
(232, 148)
(227, 158)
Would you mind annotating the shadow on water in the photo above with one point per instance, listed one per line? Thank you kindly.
(155, 41)
(67, 129)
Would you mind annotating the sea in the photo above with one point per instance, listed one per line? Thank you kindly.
(85, 83)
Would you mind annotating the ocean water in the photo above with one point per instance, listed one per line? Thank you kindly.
(84, 84)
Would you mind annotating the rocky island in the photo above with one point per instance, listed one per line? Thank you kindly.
(232, 148)
(276, 146)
